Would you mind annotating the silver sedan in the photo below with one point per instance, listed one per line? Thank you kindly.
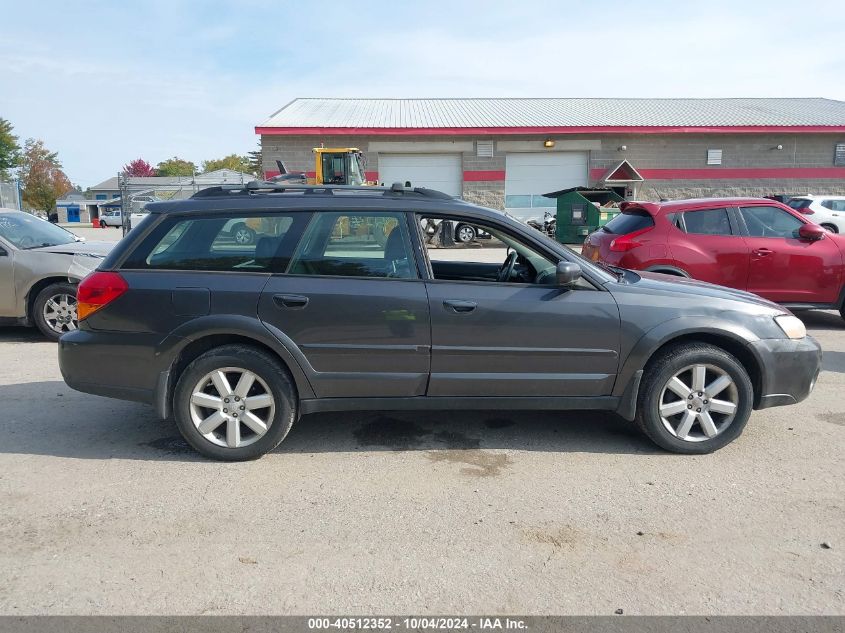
(40, 267)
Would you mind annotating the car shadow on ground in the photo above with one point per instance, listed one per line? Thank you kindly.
(48, 418)
(821, 320)
(834, 361)
(17, 334)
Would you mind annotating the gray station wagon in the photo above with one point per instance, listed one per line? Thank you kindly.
(340, 303)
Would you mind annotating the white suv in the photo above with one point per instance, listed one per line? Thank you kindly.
(826, 211)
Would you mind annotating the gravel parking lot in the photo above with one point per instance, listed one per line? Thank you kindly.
(105, 510)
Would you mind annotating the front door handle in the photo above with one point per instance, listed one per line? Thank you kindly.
(290, 301)
(461, 307)
(762, 252)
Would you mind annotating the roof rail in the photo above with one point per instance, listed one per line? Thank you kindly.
(265, 187)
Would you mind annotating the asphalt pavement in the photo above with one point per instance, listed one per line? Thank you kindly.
(105, 510)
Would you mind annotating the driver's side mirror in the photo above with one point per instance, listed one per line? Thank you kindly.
(567, 272)
(811, 232)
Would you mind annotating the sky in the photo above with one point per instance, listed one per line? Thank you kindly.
(103, 83)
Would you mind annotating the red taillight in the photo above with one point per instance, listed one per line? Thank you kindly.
(806, 211)
(98, 290)
(627, 242)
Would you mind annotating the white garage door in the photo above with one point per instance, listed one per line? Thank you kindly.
(528, 176)
(435, 171)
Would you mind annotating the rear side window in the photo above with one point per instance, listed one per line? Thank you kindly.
(356, 245)
(708, 222)
(628, 221)
(834, 205)
(797, 203)
(262, 243)
(770, 222)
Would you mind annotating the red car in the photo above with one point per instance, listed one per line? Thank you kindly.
(751, 244)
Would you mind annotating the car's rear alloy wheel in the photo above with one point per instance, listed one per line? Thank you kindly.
(54, 310)
(232, 407)
(235, 403)
(830, 227)
(694, 398)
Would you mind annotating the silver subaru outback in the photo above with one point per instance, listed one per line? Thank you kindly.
(40, 267)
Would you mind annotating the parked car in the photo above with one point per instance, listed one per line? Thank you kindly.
(111, 218)
(236, 342)
(40, 267)
(746, 243)
(826, 211)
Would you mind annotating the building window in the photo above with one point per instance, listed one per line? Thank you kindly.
(839, 155)
(714, 157)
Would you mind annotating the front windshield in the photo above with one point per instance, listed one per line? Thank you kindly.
(27, 231)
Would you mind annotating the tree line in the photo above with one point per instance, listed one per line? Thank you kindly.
(43, 181)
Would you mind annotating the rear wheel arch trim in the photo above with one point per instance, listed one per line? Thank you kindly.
(239, 326)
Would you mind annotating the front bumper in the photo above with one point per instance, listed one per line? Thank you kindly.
(789, 370)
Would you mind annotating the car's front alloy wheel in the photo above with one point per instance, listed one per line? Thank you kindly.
(54, 310)
(698, 403)
(694, 398)
(465, 233)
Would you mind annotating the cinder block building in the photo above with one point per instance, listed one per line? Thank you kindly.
(506, 153)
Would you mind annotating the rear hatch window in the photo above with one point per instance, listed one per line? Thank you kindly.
(798, 203)
(628, 221)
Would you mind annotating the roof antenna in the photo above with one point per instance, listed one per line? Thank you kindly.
(282, 169)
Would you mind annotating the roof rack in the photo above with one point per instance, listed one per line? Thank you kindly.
(397, 189)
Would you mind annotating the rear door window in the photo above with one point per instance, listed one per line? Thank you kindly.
(262, 243)
(770, 222)
(628, 221)
(373, 244)
(708, 222)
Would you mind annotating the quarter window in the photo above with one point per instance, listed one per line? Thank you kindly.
(243, 243)
(356, 245)
(770, 222)
(708, 222)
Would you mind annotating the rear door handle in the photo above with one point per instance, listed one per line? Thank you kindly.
(290, 301)
(762, 252)
(461, 307)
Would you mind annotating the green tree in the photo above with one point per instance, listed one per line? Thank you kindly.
(42, 178)
(10, 151)
(175, 167)
(232, 161)
(256, 161)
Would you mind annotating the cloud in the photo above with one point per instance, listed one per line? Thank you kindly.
(104, 83)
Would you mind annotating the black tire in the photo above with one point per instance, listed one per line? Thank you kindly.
(269, 369)
(38, 317)
(667, 364)
(465, 233)
(830, 227)
(243, 235)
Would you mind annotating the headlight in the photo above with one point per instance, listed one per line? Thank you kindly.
(792, 326)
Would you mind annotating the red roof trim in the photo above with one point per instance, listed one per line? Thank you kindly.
(590, 129)
(484, 175)
(730, 173)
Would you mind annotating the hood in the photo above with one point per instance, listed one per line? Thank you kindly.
(685, 287)
(96, 249)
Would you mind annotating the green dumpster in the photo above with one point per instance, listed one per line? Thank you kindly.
(581, 210)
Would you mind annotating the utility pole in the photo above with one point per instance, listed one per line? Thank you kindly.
(124, 196)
